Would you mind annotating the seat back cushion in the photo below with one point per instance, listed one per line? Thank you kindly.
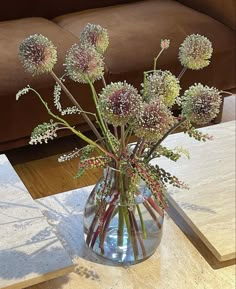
(222, 10)
(12, 9)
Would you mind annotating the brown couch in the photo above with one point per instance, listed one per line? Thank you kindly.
(135, 29)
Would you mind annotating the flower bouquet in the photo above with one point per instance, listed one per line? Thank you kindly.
(124, 214)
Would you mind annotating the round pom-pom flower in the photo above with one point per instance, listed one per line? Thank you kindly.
(83, 63)
(95, 35)
(37, 54)
(195, 52)
(201, 104)
(163, 85)
(119, 102)
(155, 120)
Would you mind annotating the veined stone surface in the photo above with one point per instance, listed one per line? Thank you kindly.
(209, 205)
(176, 264)
(30, 252)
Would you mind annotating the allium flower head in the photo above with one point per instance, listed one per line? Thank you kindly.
(95, 35)
(154, 121)
(201, 104)
(119, 102)
(162, 85)
(37, 54)
(195, 52)
(84, 63)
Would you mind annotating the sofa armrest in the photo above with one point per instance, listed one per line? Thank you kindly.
(222, 10)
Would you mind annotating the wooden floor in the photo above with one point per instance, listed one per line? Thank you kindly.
(41, 173)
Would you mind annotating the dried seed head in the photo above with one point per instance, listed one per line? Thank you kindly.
(162, 85)
(165, 43)
(84, 63)
(119, 102)
(201, 104)
(154, 121)
(37, 54)
(195, 52)
(95, 35)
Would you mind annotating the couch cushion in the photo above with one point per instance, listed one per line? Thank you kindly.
(224, 11)
(13, 9)
(19, 118)
(136, 30)
(12, 33)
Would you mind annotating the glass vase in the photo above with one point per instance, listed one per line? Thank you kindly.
(122, 220)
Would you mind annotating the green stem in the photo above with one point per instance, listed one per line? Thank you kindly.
(76, 132)
(149, 209)
(226, 92)
(156, 58)
(122, 137)
(145, 83)
(139, 236)
(136, 148)
(121, 212)
(121, 227)
(73, 100)
(104, 81)
(133, 235)
(142, 222)
(115, 132)
(140, 150)
(165, 136)
(182, 72)
(104, 126)
(95, 99)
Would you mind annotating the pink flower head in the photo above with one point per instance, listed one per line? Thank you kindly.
(84, 63)
(95, 35)
(154, 121)
(195, 52)
(119, 103)
(165, 43)
(201, 104)
(38, 54)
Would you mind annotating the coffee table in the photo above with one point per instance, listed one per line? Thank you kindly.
(177, 264)
(209, 205)
(30, 252)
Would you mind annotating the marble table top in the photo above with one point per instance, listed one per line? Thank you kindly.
(30, 252)
(176, 264)
(209, 205)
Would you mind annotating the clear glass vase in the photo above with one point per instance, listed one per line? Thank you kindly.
(122, 220)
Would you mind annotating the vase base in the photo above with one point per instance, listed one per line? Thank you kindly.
(120, 250)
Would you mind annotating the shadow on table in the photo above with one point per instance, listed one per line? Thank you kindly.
(65, 214)
(14, 269)
(196, 241)
(29, 250)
